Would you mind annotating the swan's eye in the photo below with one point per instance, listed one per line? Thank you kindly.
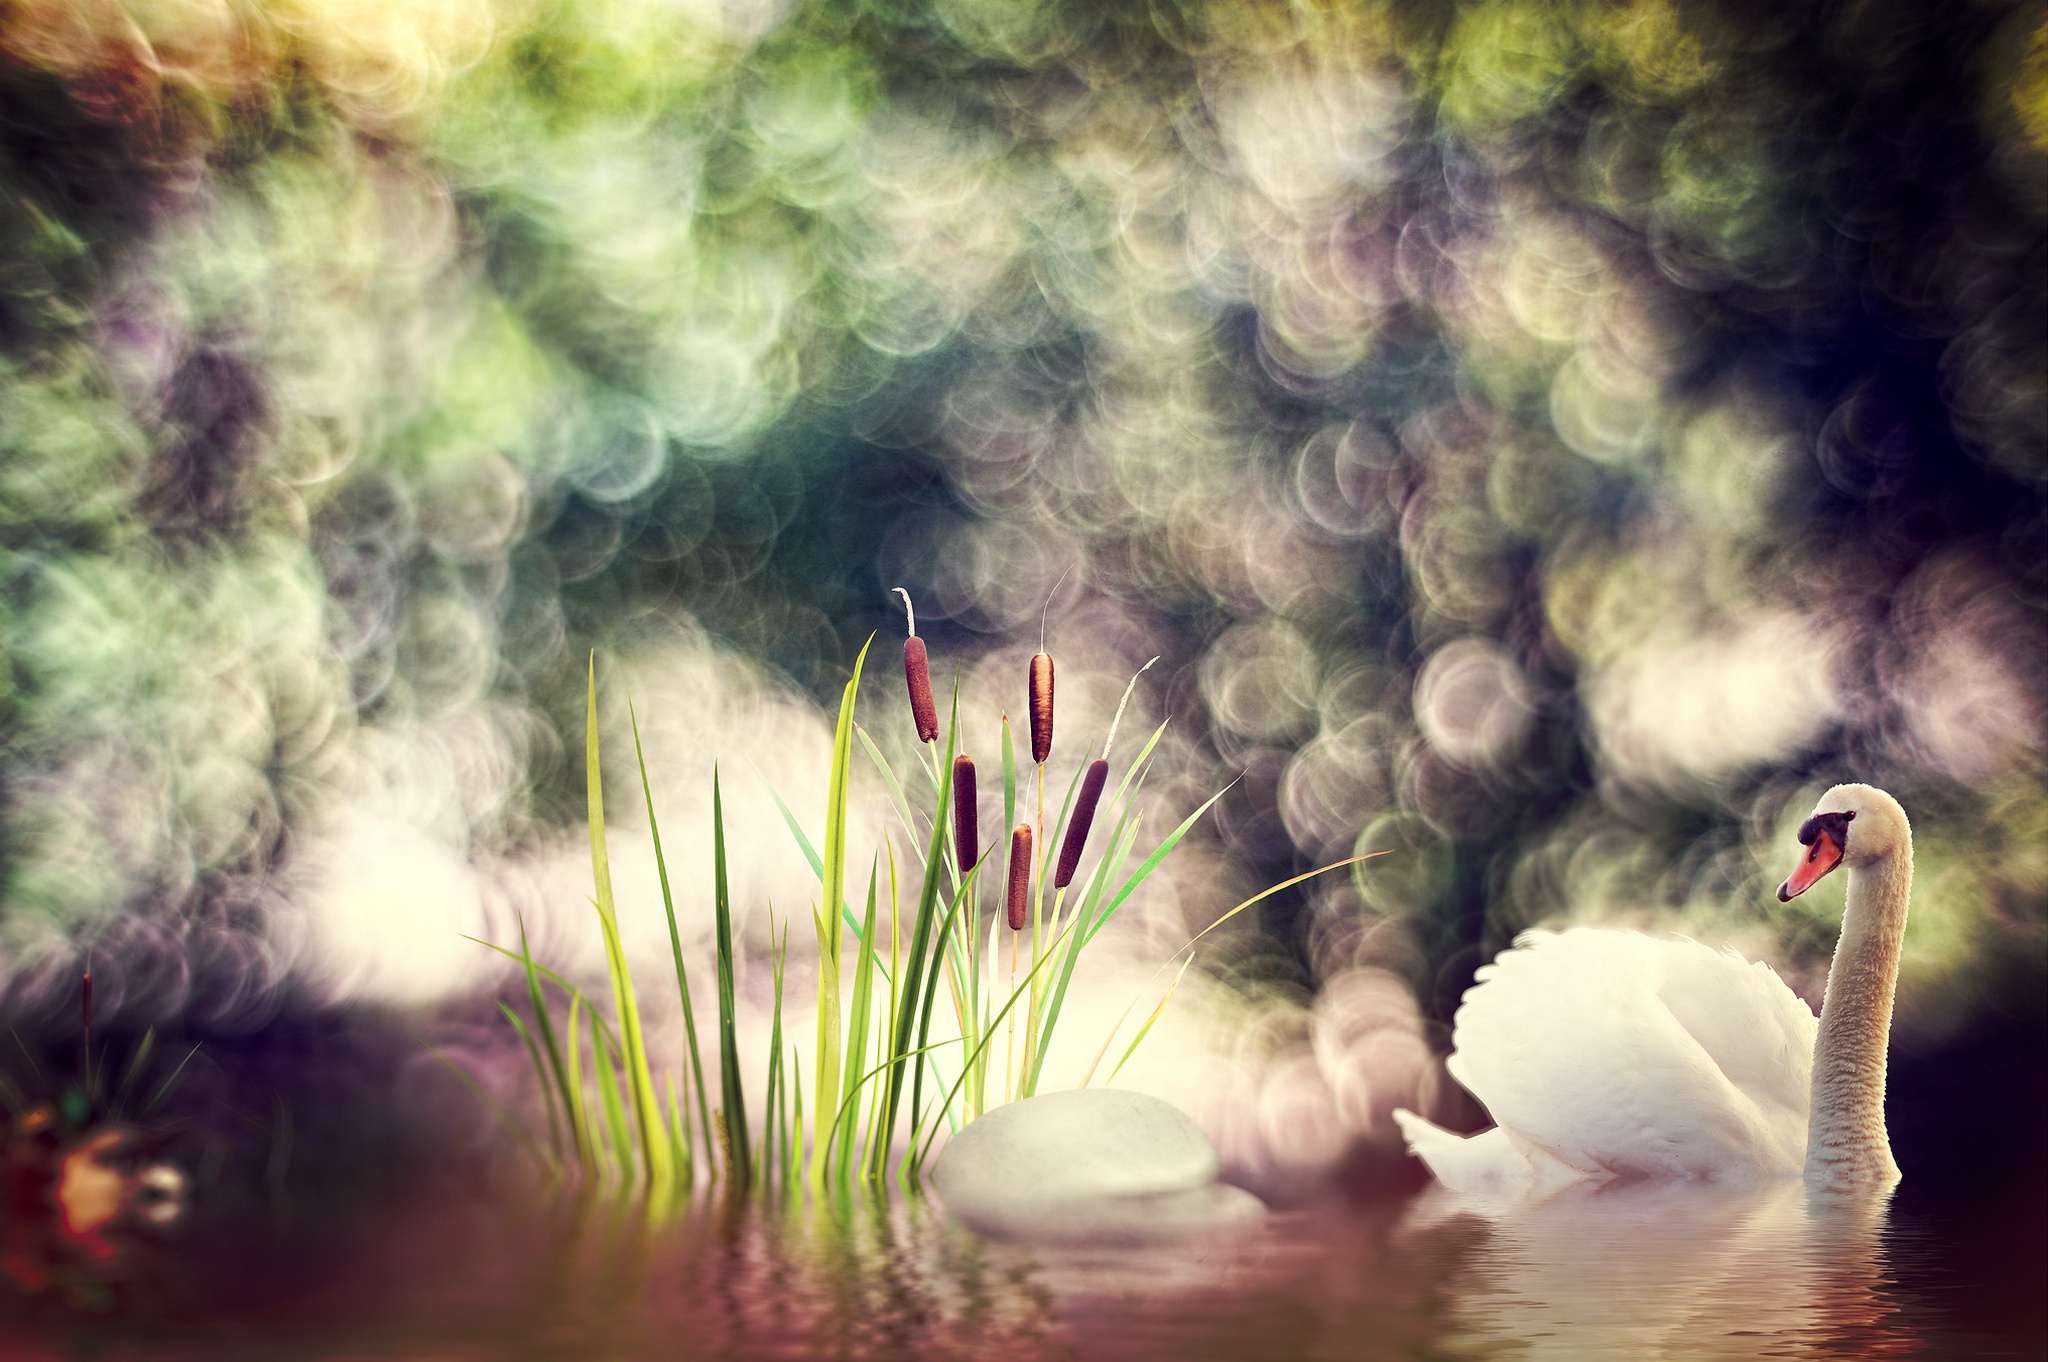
(1832, 825)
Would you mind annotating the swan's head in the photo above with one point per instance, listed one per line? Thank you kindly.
(1853, 825)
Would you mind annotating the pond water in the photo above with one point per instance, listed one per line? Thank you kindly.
(1627, 1273)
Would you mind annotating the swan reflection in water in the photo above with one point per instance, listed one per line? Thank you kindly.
(1692, 1270)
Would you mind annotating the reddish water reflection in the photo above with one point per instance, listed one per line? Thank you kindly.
(1623, 1274)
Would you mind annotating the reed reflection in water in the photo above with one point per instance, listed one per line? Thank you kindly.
(1638, 1273)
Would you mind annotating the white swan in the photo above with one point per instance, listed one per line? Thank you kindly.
(1605, 1054)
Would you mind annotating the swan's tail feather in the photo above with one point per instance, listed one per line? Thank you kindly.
(1491, 1162)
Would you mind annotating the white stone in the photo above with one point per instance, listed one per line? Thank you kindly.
(1097, 1165)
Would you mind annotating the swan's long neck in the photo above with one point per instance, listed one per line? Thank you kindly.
(1846, 1143)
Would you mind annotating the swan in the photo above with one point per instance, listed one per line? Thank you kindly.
(1610, 1054)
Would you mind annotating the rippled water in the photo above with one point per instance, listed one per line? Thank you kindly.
(1626, 1273)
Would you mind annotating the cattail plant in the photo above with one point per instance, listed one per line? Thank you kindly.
(1083, 818)
(966, 813)
(917, 674)
(1018, 905)
(1041, 707)
(596, 1074)
(1091, 794)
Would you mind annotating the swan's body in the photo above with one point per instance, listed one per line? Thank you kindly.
(1607, 1054)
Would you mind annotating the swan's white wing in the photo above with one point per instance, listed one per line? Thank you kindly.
(1618, 1052)
(1494, 1163)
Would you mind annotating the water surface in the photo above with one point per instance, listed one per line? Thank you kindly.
(1625, 1273)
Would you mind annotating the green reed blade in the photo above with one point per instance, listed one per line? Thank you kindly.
(542, 1024)
(931, 989)
(681, 1150)
(675, 939)
(889, 781)
(1143, 872)
(1125, 834)
(1150, 1021)
(1049, 853)
(164, 1088)
(793, 1125)
(1009, 784)
(773, 1101)
(857, 1017)
(1139, 763)
(921, 937)
(730, 1091)
(846, 1108)
(1047, 858)
(12, 1095)
(639, 1077)
(579, 1108)
(540, 1070)
(605, 1063)
(1016, 993)
(1265, 893)
(832, 879)
(1273, 889)
(811, 854)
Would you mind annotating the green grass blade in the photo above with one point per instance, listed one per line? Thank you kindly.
(639, 1078)
(1262, 894)
(605, 1062)
(854, 1089)
(12, 1095)
(681, 1149)
(857, 1017)
(811, 854)
(1143, 872)
(1016, 994)
(675, 939)
(1123, 836)
(833, 877)
(579, 1113)
(540, 1070)
(889, 781)
(772, 1099)
(921, 940)
(931, 991)
(1150, 1021)
(733, 1095)
(545, 1027)
(163, 1089)
(1009, 785)
(1271, 890)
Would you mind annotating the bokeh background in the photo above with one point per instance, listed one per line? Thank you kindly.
(1548, 442)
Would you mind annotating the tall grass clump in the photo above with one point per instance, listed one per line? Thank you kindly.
(905, 1047)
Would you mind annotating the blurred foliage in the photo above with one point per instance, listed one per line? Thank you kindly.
(1553, 439)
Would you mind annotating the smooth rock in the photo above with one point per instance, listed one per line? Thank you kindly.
(1097, 1165)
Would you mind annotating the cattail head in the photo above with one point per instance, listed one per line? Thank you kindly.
(917, 673)
(966, 813)
(1077, 826)
(1018, 904)
(1041, 707)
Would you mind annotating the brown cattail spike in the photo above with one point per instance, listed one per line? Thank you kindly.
(917, 671)
(1041, 707)
(966, 813)
(1077, 826)
(1018, 906)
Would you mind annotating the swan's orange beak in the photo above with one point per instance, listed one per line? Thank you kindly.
(1823, 854)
